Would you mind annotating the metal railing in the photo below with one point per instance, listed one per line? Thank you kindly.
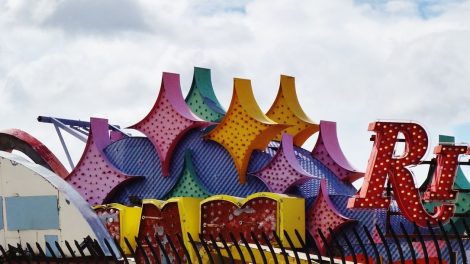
(356, 245)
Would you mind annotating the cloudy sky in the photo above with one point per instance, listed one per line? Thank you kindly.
(354, 61)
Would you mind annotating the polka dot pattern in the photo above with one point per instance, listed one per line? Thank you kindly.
(321, 153)
(462, 204)
(256, 215)
(159, 222)
(110, 217)
(441, 187)
(286, 109)
(166, 124)
(383, 164)
(198, 105)
(189, 185)
(241, 131)
(201, 98)
(328, 151)
(94, 177)
(280, 173)
(323, 215)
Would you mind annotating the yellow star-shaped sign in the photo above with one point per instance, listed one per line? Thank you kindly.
(286, 109)
(244, 127)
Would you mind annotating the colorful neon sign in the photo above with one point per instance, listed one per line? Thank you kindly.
(383, 164)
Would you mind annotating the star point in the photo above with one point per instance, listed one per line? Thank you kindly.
(286, 109)
(189, 185)
(94, 177)
(201, 98)
(328, 151)
(244, 127)
(283, 171)
(169, 120)
(323, 215)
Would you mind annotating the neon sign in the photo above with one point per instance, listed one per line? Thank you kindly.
(383, 164)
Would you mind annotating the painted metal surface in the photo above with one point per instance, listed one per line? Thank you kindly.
(219, 167)
(244, 127)
(384, 164)
(201, 98)
(441, 186)
(232, 251)
(121, 222)
(462, 204)
(313, 166)
(16, 139)
(283, 170)
(189, 184)
(257, 213)
(136, 156)
(214, 168)
(111, 219)
(286, 109)
(21, 178)
(156, 223)
(32, 212)
(323, 215)
(328, 151)
(168, 120)
(164, 220)
(94, 177)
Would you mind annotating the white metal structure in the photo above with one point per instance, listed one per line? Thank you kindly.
(38, 206)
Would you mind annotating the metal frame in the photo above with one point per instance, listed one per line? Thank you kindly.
(432, 166)
(77, 128)
(229, 250)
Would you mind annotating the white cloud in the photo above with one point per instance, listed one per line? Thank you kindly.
(353, 62)
(98, 17)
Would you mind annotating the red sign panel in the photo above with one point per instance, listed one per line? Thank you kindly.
(384, 164)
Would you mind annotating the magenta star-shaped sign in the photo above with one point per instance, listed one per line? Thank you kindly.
(283, 171)
(169, 120)
(94, 177)
(323, 215)
(328, 151)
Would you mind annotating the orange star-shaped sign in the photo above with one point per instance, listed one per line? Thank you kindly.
(244, 127)
(286, 109)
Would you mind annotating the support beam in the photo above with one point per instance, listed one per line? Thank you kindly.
(64, 146)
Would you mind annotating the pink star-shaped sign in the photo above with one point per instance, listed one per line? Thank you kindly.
(169, 120)
(328, 151)
(283, 171)
(323, 215)
(94, 177)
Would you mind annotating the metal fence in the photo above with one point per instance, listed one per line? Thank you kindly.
(429, 245)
